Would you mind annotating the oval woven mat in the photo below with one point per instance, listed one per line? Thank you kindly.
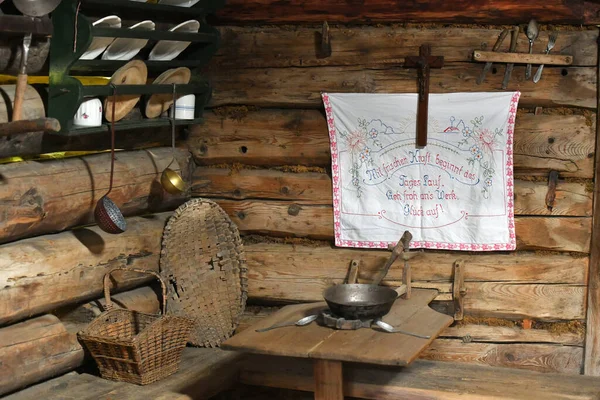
(203, 262)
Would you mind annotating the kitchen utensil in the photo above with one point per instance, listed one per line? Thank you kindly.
(31, 8)
(89, 113)
(159, 103)
(390, 329)
(532, 34)
(107, 215)
(186, 106)
(133, 73)
(488, 65)
(549, 47)
(166, 50)
(99, 44)
(170, 180)
(31, 125)
(397, 250)
(127, 48)
(513, 46)
(301, 322)
(360, 301)
(178, 3)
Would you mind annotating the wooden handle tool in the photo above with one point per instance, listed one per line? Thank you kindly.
(21, 81)
(513, 46)
(33, 125)
(488, 65)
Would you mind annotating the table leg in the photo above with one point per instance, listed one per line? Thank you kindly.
(328, 380)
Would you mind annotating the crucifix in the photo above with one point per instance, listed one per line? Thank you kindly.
(423, 63)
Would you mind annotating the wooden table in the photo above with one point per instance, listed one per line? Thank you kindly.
(330, 347)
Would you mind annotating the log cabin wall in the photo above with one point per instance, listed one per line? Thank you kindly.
(263, 154)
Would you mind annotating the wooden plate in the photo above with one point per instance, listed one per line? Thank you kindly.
(159, 103)
(133, 73)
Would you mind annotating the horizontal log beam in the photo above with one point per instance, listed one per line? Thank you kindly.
(40, 274)
(268, 46)
(35, 350)
(44, 197)
(480, 11)
(280, 218)
(522, 58)
(572, 199)
(513, 285)
(301, 87)
(564, 143)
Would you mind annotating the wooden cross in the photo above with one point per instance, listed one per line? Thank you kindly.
(423, 63)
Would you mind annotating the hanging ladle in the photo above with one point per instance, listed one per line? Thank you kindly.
(108, 216)
(170, 180)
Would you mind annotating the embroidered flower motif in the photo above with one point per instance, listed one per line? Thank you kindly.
(467, 132)
(478, 156)
(373, 132)
(355, 181)
(488, 182)
(474, 149)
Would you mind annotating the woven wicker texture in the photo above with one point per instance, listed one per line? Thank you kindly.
(135, 347)
(204, 265)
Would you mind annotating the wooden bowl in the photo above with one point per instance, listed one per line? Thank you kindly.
(159, 103)
(133, 73)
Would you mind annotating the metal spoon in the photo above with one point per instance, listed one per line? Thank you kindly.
(390, 329)
(171, 180)
(300, 322)
(532, 34)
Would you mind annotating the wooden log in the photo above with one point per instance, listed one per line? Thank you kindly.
(40, 274)
(301, 87)
(11, 49)
(35, 350)
(500, 285)
(521, 58)
(33, 106)
(572, 198)
(314, 11)
(279, 218)
(268, 46)
(466, 332)
(43, 197)
(592, 342)
(564, 143)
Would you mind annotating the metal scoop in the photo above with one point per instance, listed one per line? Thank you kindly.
(300, 322)
(170, 180)
(107, 215)
(390, 329)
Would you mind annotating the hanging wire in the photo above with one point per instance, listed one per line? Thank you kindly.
(76, 22)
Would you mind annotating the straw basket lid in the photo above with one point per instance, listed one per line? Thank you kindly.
(203, 262)
(159, 103)
(133, 73)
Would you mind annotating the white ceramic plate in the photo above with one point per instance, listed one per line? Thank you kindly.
(127, 48)
(166, 50)
(99, 44)
(179, 3)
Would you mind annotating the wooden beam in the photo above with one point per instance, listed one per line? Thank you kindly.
(280, 218)
(302, 87)
(34, 350)
(40, 274)
(521, 58)
(44, 197)
(592, 339)
(274, 46)
(424, 380)
(456, 12)
(572, 198)
(561, 142)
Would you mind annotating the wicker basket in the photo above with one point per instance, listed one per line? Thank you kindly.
(135, 347)
(203, 262)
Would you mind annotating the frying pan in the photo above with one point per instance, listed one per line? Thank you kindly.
(366, 301)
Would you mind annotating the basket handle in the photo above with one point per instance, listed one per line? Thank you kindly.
(109, 304)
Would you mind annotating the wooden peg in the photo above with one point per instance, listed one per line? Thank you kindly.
(325, 50)
(352, 272)
(458, 289)
(407, 279)
(551, 194)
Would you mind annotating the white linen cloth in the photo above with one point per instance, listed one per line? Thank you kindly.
(456, 193)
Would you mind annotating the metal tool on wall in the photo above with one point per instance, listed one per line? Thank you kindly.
(107, 215)
(513, 46)
(488, 65)
(170, 180)
(532, 34)
(31, 8)
(549, 47)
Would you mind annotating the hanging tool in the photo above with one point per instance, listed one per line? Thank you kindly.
(532, 34)
(549, 47)
(513, 46)
(34, 125)
(488, 65)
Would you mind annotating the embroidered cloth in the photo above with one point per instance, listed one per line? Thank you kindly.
(456, 193)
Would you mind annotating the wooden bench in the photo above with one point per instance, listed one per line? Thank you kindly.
(206, 372)
(203, 373)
